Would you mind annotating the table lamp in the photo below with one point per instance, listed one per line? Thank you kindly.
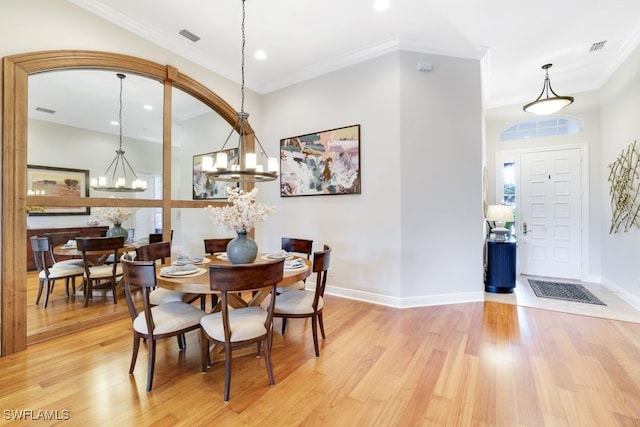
(499, 214)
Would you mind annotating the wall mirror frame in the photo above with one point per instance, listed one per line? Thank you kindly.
(16, 69)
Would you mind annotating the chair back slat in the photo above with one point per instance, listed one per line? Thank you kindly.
(212, 246)
(243, 277)
(154, 251)
(140, 274)
(41, 250)
(321, 262)
(301, 246)
(89, 244)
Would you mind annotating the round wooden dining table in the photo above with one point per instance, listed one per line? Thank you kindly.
(198, 282)
(72, 251)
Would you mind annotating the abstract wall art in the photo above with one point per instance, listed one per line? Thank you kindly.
(321, 163)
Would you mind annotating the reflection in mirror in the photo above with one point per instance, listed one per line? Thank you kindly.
(196, 130)
(74, 122)
(70, 115)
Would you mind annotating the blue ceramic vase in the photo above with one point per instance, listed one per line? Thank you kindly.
(117, 230)
(242, 250)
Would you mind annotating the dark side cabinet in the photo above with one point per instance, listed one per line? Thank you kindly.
(500, 275)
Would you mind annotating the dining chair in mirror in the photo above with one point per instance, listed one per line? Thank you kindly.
(161, 251)
(158, 237)
(47, 276)
(154, 322)
(211, 246)
(305, 303)
(98, 273)
(59, 238)
(240, 327)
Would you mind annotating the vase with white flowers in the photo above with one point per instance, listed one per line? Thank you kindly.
(241, 216)
(116, 216)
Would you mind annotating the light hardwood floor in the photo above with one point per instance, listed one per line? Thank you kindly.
(461, 364)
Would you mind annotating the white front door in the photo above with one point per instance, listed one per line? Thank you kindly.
(550, 217)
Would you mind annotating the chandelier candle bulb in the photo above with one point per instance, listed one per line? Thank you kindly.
(207, 163)
(221, 161)
(120, 182)
(102, 181)
(250, 160)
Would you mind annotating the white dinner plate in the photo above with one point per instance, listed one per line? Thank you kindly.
(178, 270)
(192, 260)
(223, 256)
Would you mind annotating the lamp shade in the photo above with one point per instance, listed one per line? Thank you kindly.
(499, 213)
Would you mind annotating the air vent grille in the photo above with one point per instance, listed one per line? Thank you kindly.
(188, 34)
(45, 110)
(597, 46)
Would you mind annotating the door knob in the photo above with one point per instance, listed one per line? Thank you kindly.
(524, 229)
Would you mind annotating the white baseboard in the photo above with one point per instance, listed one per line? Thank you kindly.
(423, 301)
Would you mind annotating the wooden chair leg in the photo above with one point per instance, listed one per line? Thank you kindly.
(324, 337)
(134, 354)
(182, 342)
(267, 358)
(47, 292)
(227, 372)
(314, 329)
(152, 362)
(204, 352)
(40, 286)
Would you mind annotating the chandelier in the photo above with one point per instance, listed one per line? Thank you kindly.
(119, 176)
(547, 105)
(246, 166)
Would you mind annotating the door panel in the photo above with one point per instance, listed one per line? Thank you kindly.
(551, 219)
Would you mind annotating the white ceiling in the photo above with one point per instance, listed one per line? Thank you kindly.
(307, 38)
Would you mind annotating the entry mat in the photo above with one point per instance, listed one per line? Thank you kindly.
(563, 291)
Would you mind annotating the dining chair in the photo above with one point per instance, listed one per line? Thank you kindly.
(59, 238)
(299, 246)
(158, 237)
(160, 251)
(240, 327)
(303, 303)
(97, 273)
(154, 322)
(47, 276)
(212, 246)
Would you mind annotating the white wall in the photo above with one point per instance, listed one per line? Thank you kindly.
(620, 109)
(63, 146)
(419, 217)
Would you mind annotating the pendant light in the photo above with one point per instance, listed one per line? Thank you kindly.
(119, 176)
(246, 166)
(547, 105)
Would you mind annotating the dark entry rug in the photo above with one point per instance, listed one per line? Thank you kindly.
(563, 291)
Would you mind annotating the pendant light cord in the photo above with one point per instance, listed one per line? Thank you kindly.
(121, 77)
(242, 63)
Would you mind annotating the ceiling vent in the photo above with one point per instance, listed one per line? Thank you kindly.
(45, 110)
(188, 34)
(597, 46)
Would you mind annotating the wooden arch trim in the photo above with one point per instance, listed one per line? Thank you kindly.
(16, 70)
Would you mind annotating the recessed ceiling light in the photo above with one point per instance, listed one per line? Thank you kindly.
(260, 54)
(381, 4)
(148, 107)
(114, 123)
